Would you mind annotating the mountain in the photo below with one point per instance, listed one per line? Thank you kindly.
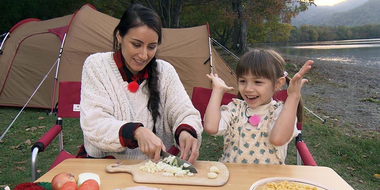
(348, 13)
(368, 13)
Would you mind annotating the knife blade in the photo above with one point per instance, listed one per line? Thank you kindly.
(180, 162)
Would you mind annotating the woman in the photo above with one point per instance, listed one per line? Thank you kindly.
(132, 104)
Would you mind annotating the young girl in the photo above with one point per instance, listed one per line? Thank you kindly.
(256, 128)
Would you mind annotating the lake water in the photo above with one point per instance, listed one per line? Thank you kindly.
(363, 52)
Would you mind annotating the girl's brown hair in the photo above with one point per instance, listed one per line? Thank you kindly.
(265, 63)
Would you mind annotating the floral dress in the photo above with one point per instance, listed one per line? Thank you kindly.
(244, 143)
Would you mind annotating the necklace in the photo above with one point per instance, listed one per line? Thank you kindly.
(254, 119)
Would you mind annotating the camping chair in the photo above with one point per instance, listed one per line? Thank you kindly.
(68, 107)
(68, 101)
(303, 154)
(200, 99)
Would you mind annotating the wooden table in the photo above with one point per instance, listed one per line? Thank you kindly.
(242, 176)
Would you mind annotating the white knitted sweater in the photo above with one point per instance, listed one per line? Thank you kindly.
(106, 105)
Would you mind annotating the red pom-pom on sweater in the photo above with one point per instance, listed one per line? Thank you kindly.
(133, 86)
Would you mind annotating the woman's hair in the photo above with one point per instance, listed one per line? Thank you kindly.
(265, 63)
(135, 16)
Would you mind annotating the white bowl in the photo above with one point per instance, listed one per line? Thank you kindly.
(258, 185)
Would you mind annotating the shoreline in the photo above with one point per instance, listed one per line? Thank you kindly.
(337, 92)
(342, 62)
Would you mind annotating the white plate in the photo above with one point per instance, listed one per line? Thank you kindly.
(258, 185)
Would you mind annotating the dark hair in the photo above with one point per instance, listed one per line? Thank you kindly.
(138, 15)
(265, 63)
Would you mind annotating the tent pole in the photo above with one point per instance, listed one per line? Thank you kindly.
(56, 73)
(2, 43)
(323, 120)
(225, 49)
(209, 47)
(38, 87)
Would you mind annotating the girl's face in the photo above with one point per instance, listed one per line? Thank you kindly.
(138, 47)
(256, 91)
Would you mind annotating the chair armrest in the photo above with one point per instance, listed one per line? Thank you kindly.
(305, 154)
(46, 139)
(41, 145)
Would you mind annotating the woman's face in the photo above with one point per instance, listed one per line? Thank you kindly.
(138, 47)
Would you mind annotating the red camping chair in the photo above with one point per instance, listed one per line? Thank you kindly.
(303, 154)
(200, 99)
(68, 102)
(68, 107)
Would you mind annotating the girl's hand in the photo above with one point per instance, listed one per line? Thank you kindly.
(149, 143)
(218, 83)
(188, 144)
(297, 81)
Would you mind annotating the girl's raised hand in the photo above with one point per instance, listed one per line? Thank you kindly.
(297, 81)
(218, 83)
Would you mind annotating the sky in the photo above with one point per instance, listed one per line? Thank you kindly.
(327, 2)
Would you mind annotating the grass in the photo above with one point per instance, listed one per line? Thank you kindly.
(371, 100)
(16, 145)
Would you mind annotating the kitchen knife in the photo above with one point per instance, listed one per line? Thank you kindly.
(180, 162)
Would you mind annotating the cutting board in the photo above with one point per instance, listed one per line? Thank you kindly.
(200, 178)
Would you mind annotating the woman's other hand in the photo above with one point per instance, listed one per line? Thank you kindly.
(149, 143)
(188, 145)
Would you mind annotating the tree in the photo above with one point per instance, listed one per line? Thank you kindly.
(170, 10)
(114, 8)
(270, 31)
(218, 15)
(341, 31)
(12, 12)
(294, 35)
(313, 35)
(237, 22)
(233, 22)
(240, 27)
(231, 19)
(258, 12)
